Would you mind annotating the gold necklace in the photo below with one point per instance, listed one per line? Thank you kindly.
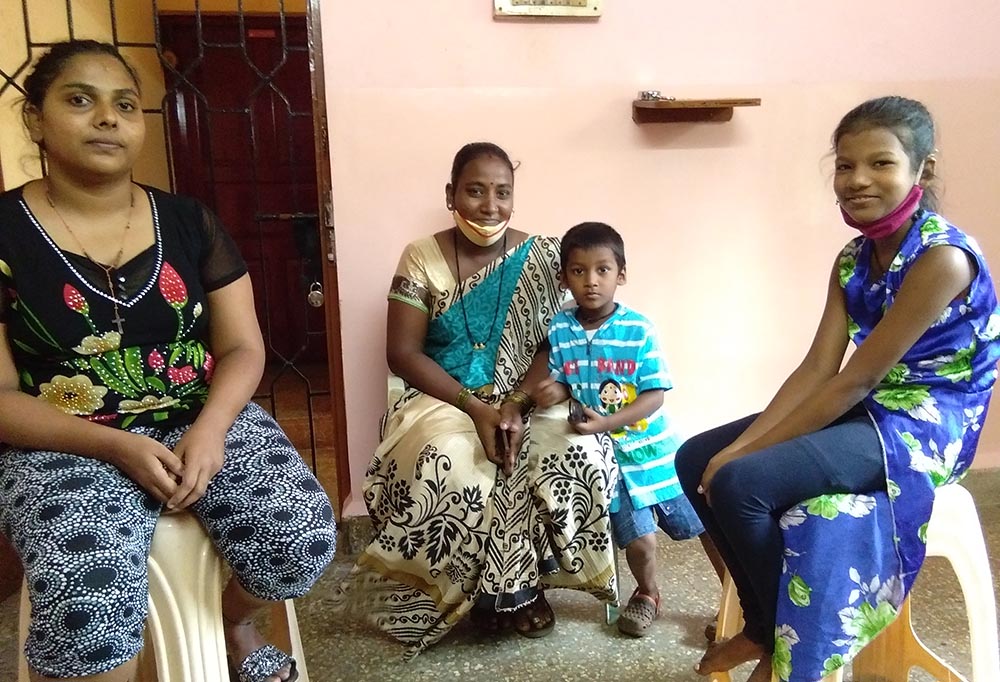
(118, 319)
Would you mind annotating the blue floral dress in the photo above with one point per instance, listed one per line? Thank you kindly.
(928, 411)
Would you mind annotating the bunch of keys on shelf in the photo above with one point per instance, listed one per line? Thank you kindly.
(654, 96)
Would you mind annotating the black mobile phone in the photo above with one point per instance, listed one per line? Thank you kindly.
(576, 415)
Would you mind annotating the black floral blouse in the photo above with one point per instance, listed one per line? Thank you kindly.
(150, 367)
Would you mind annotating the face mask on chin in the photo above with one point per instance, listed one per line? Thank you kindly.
(480, 235)
(895, 219)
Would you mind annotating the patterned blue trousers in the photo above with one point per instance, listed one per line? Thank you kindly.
(83, 531)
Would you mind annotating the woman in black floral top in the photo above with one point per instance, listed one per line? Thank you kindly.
(129, 351)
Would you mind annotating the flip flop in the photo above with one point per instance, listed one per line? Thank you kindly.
(266, 662)
(640, 613)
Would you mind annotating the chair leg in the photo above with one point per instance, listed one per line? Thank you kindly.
(730, 620)
(891, 655)
(285, 635)
(980, 606)
(958, 536)
(612, 611)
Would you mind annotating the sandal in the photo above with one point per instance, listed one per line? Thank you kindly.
(536, 619)
(489, 621)
(266, 662)
(640, 613)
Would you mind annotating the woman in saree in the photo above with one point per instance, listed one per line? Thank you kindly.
(477, 508)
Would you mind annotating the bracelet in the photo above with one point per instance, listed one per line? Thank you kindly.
(463, 397)
(520, 398)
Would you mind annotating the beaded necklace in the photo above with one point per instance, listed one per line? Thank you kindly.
(118, 319)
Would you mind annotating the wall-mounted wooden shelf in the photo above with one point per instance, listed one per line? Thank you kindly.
(687, 110)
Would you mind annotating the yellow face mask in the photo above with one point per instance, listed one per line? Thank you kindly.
(480, 235)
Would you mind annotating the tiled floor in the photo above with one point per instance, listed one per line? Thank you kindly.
(582, 646)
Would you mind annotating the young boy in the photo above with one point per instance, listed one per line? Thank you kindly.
(606, 357)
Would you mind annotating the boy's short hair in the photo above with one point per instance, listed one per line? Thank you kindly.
(589, 236)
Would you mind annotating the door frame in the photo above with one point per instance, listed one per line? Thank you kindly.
(335, 360)
(328, 242)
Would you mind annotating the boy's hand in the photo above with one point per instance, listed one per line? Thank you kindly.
(549, 392)
(595, 422)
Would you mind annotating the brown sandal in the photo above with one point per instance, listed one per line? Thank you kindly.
(640, 613)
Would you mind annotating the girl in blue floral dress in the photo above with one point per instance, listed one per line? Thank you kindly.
(820, 504)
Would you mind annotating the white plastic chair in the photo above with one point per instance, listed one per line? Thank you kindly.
(184, 634)
(954, 532)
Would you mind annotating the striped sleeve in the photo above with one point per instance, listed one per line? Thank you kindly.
(555, 349)
(652, 372)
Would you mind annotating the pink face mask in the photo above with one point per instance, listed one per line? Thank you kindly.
(889, 223)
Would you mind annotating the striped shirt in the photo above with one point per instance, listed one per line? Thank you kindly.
(606, 373)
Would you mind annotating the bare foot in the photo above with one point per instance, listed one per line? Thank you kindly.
(762, 673)
(728, 654)
(536, 619)
(242, 639)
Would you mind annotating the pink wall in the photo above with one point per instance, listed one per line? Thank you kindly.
(720, 220)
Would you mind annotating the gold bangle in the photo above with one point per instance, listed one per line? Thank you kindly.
(520, 398)
(463, 397)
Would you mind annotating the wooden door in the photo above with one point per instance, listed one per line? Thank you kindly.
(239, 117)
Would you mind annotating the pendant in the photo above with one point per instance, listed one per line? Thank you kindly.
(478, 345)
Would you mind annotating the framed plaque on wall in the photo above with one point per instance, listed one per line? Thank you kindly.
(547, 8)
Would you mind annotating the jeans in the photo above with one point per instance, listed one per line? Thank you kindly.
(750, 494)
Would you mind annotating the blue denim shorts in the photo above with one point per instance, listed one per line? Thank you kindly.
(676, 517)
